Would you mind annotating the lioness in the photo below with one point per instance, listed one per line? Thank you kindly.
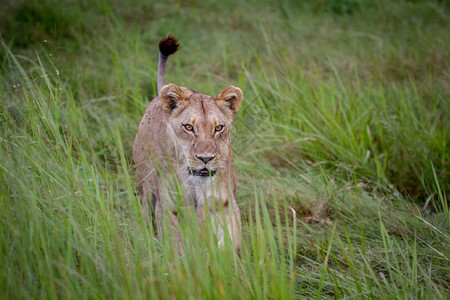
(183, 142)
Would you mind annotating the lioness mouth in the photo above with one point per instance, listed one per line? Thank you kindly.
(203, 172)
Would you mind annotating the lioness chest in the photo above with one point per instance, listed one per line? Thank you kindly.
(197, 192)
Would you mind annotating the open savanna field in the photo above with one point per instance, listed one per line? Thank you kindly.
(341, 148)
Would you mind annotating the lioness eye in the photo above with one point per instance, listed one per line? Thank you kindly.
(188, 127)
(219, 128)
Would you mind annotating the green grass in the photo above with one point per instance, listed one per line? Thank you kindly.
(341, 148)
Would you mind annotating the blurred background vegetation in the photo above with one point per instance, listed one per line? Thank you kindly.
(345, 120)
(363, 42)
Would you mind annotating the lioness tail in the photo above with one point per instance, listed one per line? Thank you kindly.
(167, 46)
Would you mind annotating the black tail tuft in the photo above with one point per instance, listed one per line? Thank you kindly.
(168, 45)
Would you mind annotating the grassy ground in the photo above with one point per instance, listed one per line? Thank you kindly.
(341, 148)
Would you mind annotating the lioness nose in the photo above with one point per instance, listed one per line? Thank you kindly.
(205, 159)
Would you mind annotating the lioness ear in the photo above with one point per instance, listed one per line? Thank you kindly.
(171, 96)
(230, 99)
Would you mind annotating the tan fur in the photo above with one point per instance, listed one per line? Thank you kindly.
(164, 151)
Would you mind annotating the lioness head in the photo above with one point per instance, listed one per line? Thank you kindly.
(200, 126)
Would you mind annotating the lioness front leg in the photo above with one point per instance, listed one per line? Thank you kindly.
(225, 219)
(233, 224)
(167, 224)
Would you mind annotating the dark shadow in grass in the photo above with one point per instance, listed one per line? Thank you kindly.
(28, 23)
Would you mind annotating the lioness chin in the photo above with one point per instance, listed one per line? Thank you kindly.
(183, 141)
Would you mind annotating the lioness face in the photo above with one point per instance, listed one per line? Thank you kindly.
(200, 126)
